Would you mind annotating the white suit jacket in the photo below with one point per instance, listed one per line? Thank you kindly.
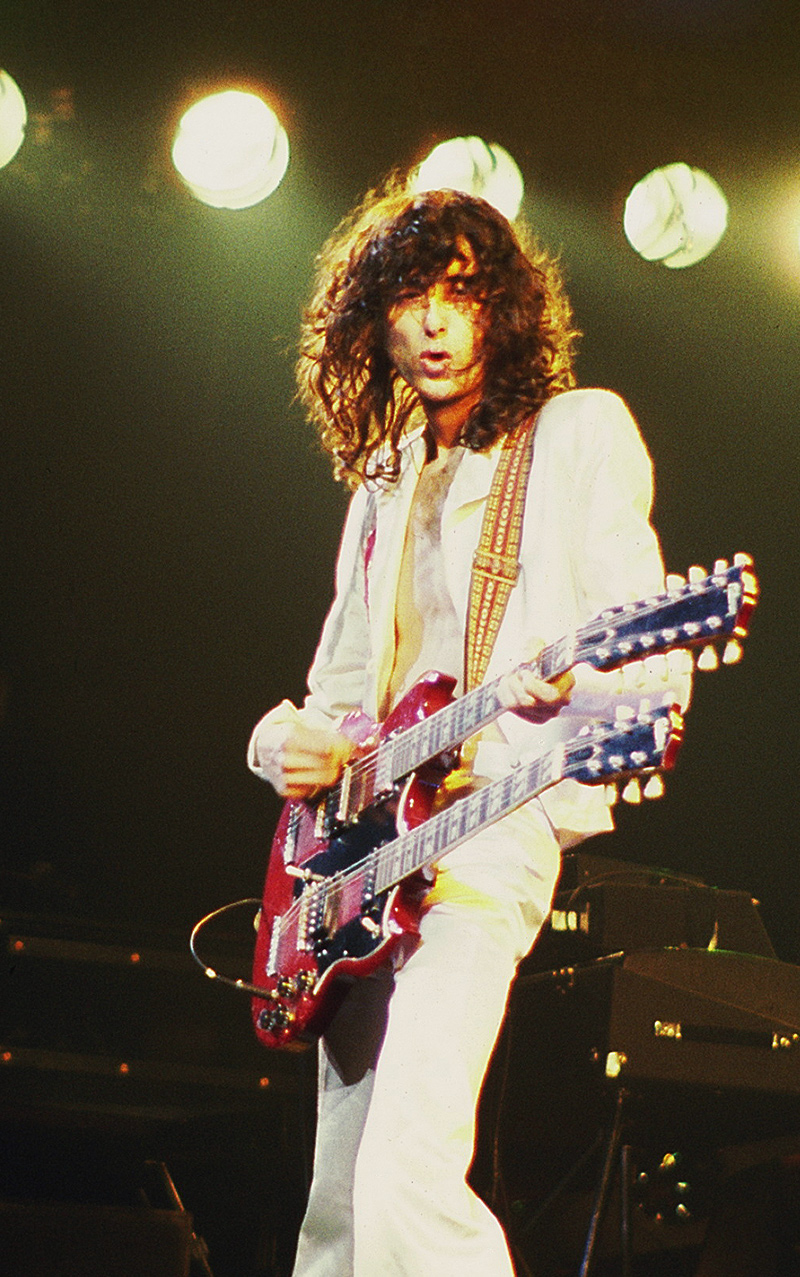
(586, 544)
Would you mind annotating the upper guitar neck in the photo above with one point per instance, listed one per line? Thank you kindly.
(692, 614)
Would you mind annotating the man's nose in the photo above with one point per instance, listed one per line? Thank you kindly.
(434, 317)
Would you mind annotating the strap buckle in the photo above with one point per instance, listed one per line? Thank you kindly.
(500, 567)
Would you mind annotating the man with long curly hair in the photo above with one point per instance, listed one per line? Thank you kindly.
(433, 337)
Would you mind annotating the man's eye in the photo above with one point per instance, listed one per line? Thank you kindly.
(463, 288)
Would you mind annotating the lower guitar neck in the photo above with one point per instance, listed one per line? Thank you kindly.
(420, 847)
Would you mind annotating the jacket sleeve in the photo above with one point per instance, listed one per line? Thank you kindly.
(601, 471)
(336, 677)
(614, 550)
(617, 556)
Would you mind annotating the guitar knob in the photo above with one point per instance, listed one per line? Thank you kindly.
(286, 986)
(306, 981)
(275, 1019)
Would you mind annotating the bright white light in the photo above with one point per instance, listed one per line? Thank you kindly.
(676, 215)
(477, 167)
(230, 149)
(13, 118)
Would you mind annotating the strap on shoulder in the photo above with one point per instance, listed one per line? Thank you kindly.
(495, 565)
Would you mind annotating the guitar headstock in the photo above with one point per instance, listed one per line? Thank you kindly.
(700, 611)
(635, 745)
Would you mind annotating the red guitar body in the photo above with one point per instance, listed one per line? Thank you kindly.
(310, 841)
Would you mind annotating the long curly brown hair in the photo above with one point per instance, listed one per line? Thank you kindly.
(360, 405)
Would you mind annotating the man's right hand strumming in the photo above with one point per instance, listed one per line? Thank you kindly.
(300, 761)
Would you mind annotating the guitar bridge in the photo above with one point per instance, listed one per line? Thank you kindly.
(343, 788)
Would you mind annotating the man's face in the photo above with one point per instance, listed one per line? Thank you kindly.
(435, 335)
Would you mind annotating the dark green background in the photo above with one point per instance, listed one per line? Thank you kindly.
(168, 527)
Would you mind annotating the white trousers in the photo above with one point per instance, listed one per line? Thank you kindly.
(401, 1067)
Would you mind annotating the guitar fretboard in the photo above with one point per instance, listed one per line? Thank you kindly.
(410, 852)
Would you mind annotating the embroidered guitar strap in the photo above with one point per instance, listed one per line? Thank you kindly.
(495, 565)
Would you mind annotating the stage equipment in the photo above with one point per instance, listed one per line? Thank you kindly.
(13, 118)
(231, 150)
(652, 1050)
(479, 168)
(605, 906)
(112, 1055)
(676, 215)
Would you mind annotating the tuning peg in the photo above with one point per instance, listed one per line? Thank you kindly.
(632, 793)
(696, 575)
(732, 653)
(743, 560)
(708, 659)
(611, 794)
(654, 787)
(720, 566)
(674, 582)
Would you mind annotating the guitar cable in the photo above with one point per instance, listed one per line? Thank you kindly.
(243, 985)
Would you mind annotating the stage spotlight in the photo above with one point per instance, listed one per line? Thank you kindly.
(230, 149)
(477, 167)
(676, 215)
(13, 118)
